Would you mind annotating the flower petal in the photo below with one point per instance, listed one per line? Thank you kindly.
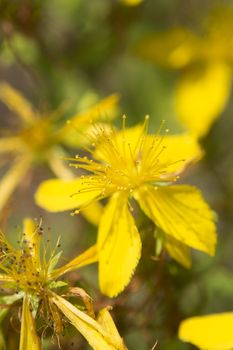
(88, 257)
(59, 195)
(93, 213)
(181, 212)
(132, 2)
(119, 246)
(171, 153)
(96, 336)
(17, 103)
(10, 144)
(180, 150)
(12, 178)
(178, 251)
(30, 230)
(175, 48)
(106, 321)
(104, 110)
(201, 95)
(28, 337)
(211, 332)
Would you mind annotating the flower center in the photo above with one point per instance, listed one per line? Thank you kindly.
(39, 137)
(125, 160)
(22, 266)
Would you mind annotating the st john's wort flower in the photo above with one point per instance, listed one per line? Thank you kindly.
(40, 139)
(132, 164)
(30, 273)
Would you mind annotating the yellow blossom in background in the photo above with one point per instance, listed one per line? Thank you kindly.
(132, 164)
(205, 64)
(30, 273)
(40, 138)
(210, 332)
(131, 2)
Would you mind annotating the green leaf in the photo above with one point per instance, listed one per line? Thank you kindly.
(57, 284)
(54, 261)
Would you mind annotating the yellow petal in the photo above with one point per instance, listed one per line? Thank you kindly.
(10, 144)
(178, 251)
(211, 332)
(104, 110)
(93, 213)
(119, 141)
(132, 2)
(180, 150)
(201, 96)
(17, 103)
(30, 230)
(174, 151)
(59, 195)
(119, 246)
(12, 178)
(88, 257)
(58, 166)
(94, 333)
(106, 321)
(181, 212)
(175, 48)
(28, 337)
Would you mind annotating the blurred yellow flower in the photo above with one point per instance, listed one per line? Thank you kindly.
(134, 164)
(211, 332)
(40, 139)
(31, 274)
(205, 64)
(132, 2)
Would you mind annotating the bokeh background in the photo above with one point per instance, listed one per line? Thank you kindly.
(79, 51)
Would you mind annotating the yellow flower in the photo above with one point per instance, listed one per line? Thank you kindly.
(31, 274)
(40, 139)
(211, 332)
(132, 164)
(205, 64)
(131, 2)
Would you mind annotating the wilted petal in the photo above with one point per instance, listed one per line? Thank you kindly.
(106, 321)
(94, 333)
(119, 246)
(30, 230)
(211, 332)
(28, 337)
(181, 212)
